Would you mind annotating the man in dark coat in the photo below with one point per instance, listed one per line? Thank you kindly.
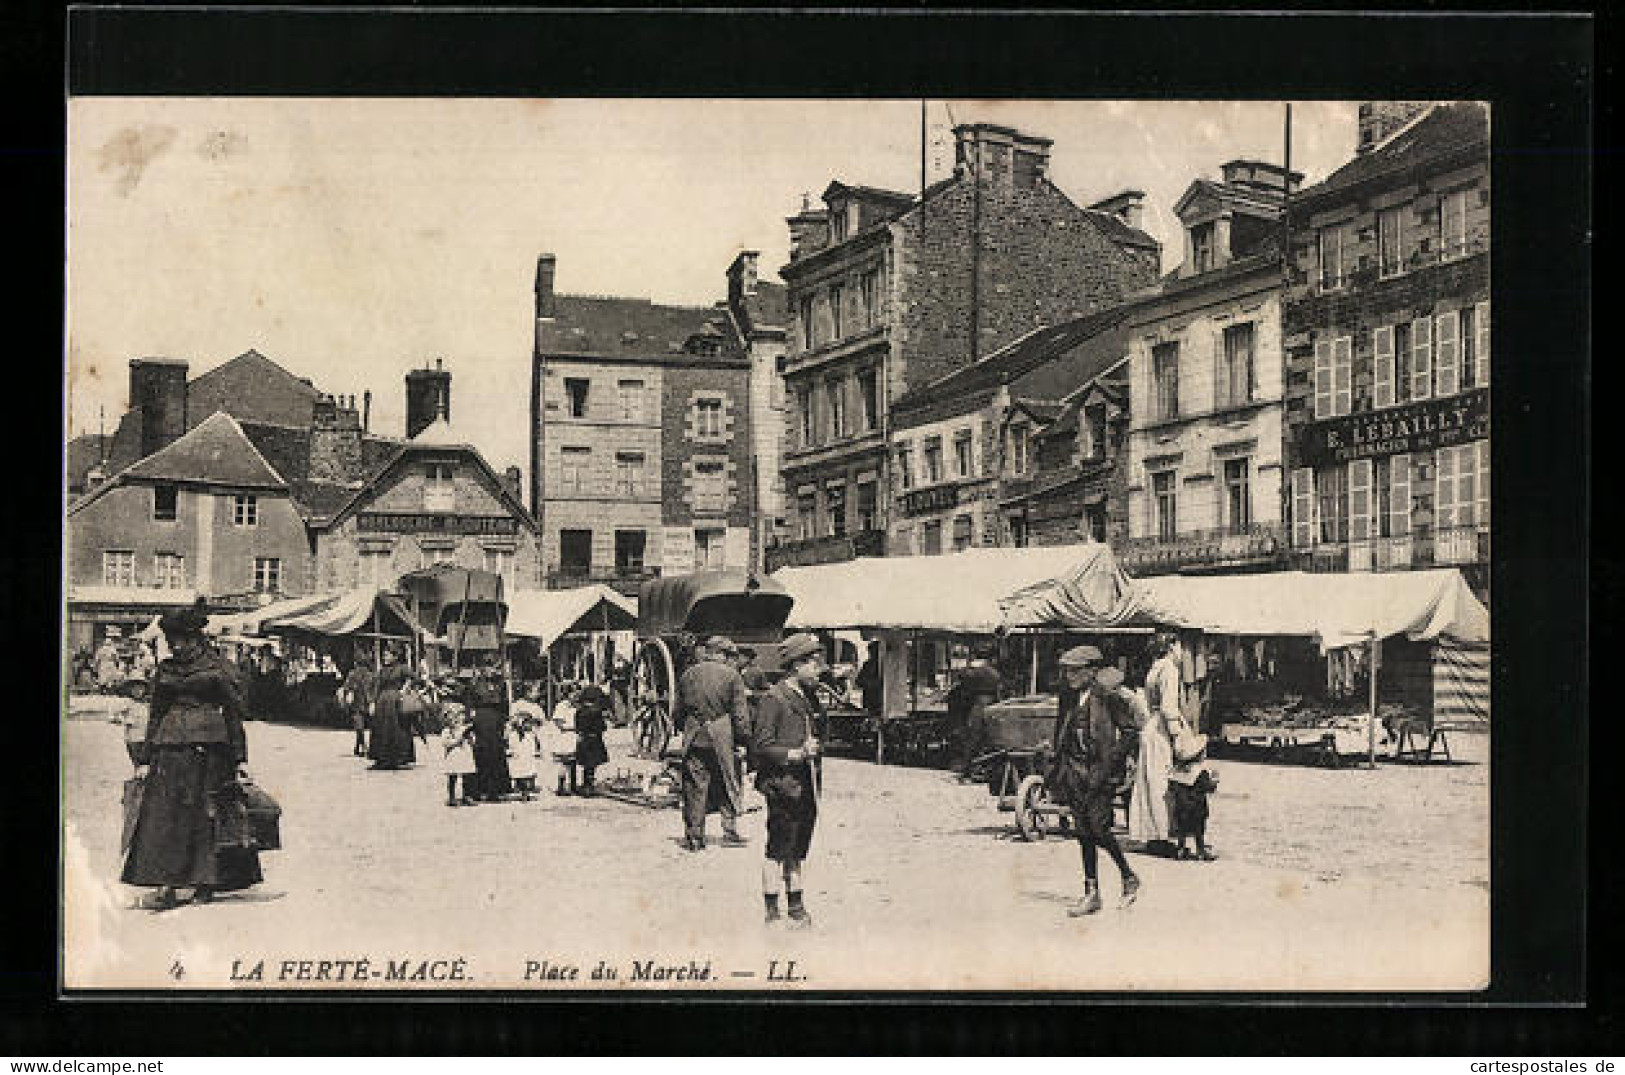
(713, 709)
(979, 686)
(488, 702)
(360, 694)
(784, 750)
(1095, 731)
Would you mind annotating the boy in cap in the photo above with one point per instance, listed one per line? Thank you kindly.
(1093, 732)
(784, 749)
(713, 708)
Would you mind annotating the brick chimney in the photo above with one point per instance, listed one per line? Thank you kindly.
(1379, 119)
(158, 396)
(428, 397)
(335, 441)
(1126, 205)
(546, 307)
(513, 480)
(809, 230)
(742, 276)
(1004, 157)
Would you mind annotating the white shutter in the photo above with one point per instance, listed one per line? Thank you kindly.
(1444, 484)
(1484, 483)
(1303, 508)
(1221, 373)
(1466, 484)
(1449, 380)
(1481, 351)
(1343, 375)
(1323, 379)
(1422, 358)
(1382, 348)
(1360, 514)
(1399, 494)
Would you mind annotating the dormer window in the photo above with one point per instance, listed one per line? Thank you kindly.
(1204, 249)
(838, 225)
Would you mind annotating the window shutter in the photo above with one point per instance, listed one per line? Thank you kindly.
(1481, 328)
(1422, 358)
(1484, 483)
(1323, 379)
(1444, 482)
(1466, 484)
(1360, 500)
(1303, 508)
(1343, 375)
(1382, 348)
(1448, 375)
(1399, 494)
(1221, 372)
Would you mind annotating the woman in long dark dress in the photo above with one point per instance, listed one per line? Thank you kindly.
(590, 720)
(193, 752)
(392, 730)
(488, 701)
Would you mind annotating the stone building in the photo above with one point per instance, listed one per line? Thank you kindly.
(889, 292)
(757, 313)
(1388, 348)
(1204, 447)
(641, 460)
(965, 442)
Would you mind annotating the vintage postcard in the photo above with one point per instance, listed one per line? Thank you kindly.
(777, 545)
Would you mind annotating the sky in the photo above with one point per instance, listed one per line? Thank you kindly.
(350, 240)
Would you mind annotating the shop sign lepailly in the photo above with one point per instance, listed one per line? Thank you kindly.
(933, 499)
(1415, 427)
(432, 523)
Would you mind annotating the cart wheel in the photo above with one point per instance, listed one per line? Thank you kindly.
(1030, 804)
(654, 678)
(651, 730)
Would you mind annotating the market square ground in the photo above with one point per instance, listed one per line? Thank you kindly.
(1329, 880)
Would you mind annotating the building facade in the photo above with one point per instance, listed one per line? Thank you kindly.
(757, 313)
(1388, 345)
(641, 444)
(1206, 374)
(889, 292)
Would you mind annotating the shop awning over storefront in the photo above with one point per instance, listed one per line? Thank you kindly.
(130, 596)
(976, 591)
(365, 608)
(1336, 609)
(548, 615)
(253, 620)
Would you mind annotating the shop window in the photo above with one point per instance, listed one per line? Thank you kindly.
(267, 574)
(575, 552)
(165, 499)
(118, 567)
(1164, 505)
(931, 539)
(1165, 374)
(1391, 241)
(1236, 366)
(575, 388)
(708, 549)
(964, 532)
(169, 570)
(867, 519)
(1238, 509)
(1332, 499)
(245, 510)
(439, 491)
(629, 551)
(630, 394)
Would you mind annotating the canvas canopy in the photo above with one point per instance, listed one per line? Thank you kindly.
(1336, 609)
(976, 591)
(349, 612)
(548, 615)
(707, 602)
(253, 620)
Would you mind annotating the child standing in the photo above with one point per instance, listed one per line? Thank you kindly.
(523, 749)
(590, 722)
(1190, 781)
(457, 750)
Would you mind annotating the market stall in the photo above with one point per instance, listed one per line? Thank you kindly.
(570, 634)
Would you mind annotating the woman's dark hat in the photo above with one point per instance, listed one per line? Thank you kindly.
(185, 622)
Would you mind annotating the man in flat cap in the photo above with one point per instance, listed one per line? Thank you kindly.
(784, 750)
(713, 709)
(1094, 731)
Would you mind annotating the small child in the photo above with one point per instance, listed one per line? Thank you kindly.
(590, 725)
(523, 749)
(457, 748)
(1191, 780)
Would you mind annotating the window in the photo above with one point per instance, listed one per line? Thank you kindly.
(1361, 512)
(444, 554)
(1393, 480)
(375, 568)
(931, 539)
(837, 303)
(1334, 376)
(804, 403)
(1238, 501)
(1094, 522)
(573, 464)
(500, 563)
(1391, 241)
(866, 506)
(118, 568)
(1303, 508)
(169, 570)
(1334, 244)
(576, 389)
(245, 510)
(869, 292)
(1446, 354)
(964, 532)
(835, 399)
(1453, 224)
(806, 312)
(708, 418)
(933, 460)
(710, 485)
(1164, 505)
(1165, 374)
(1236, 366)
(1094, 425)
(905, 467)
(1203, 244)
(1019, 441)
(1475, 345)
(439, 493)
(575, 552)
(838, 222)
(1332, 503)
(835, 510)
(631, 400)
(629, 548)
(1382, 365)
(962, 454)
(806, 517)
(164, 503)
(1421, 372)
(628, 474)
(267, 574)
(869, 400)
(1018, 531)
(708, 549)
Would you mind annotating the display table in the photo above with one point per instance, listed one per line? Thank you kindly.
(1320, 743)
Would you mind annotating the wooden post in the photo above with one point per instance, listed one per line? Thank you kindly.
(1371, 725)
(1032, 679)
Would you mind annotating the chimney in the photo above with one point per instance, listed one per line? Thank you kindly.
(1261, 177)
(546, 307)
(1379, 119)
(335, 441)
(366, 410)
(428, 397)
(742, 276)
(1004, 157)
(158, 396)
(1126, 205)
(809, 230)
(511, 478)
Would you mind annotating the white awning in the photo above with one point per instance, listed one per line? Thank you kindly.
(547, 615)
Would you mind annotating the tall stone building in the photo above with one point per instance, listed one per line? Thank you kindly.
(757, 313)
(889, 292)
(1388, 348)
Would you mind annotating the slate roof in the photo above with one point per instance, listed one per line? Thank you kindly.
(1440, 132)
(251, 388)
(84, 452)
(630, 327)
(769, 307)
(215, 452)
(1118, 231)
(1066, 421)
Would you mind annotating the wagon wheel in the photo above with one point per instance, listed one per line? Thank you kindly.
(654, 679)
(1030, 803)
